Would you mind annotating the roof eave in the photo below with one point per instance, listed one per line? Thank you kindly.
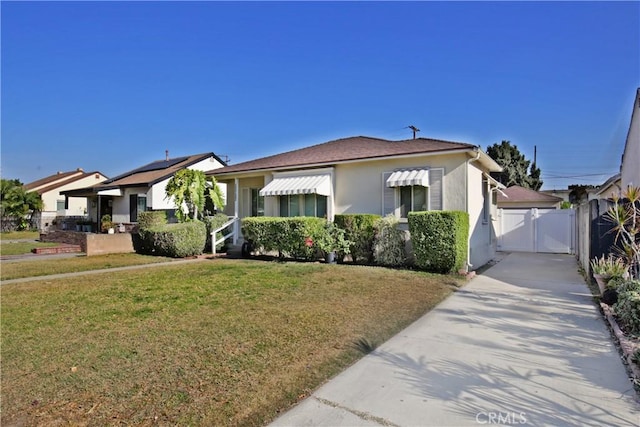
(348, 161)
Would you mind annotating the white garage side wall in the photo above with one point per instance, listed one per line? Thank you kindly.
(359, 187)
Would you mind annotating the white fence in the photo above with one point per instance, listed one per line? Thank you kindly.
(536, 230)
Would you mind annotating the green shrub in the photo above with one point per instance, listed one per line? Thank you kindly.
(297, 237)
(149, 219)
(627, 285)
(213, 222)
(440, 240)
(388, 246)
(175, 240)
(627, 310)
(360, 230)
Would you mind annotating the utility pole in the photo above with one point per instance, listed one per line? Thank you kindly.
(414, 129)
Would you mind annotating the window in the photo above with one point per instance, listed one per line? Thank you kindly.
(60, 205)
(412, 198)
(486, 201)
(412, 190)
(257, 203)
(303, 205)
(137, 204)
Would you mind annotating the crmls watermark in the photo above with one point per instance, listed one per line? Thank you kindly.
(502, 418)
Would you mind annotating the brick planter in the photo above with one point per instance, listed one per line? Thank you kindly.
(91, 243)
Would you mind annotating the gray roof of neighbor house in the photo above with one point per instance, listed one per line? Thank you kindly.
(516, 193)
(58, 180)
(355, 148)
(147, 175)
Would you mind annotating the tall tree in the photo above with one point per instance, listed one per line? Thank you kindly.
(516, 166)
(534, 175)
(189, 188)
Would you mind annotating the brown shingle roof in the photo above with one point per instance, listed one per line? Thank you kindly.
(345, 149)
(516, 193)
(58, 180)
(147, 175)
(60, 176)
(156, 171)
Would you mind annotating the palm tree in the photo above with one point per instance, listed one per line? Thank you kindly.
(18, 204)
(187, 187)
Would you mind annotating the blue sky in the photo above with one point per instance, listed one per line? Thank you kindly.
(109, 86)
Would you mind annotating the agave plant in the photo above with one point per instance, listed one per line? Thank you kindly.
(625, 216)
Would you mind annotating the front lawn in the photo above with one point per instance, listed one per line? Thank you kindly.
(220, 342)
(44, 267)
(20, 248)
(19, 235)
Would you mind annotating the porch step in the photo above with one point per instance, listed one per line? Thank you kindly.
(234, 251)
(63, 249)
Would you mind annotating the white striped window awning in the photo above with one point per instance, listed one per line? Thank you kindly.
(303, 184)
(409, 177)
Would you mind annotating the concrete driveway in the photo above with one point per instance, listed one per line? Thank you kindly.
(521, 344)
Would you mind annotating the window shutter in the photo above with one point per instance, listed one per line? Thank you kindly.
(436, 178)
(388, 196)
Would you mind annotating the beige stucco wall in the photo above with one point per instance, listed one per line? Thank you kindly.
(77, 205)
(482, 241)
(358, 188)
(630, 169)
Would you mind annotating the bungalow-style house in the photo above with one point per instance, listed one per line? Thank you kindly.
(629, 169)
(55, 204)
(610, 188)
(516, 197)
(141, 189)
(370, 175)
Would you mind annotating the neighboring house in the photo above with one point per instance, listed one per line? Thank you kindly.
(55, 204)
(610, 188)
(516, 197)
(370, 175)
(141, 189)
(630, 167)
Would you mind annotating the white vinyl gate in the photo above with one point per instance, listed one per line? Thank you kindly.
(536, 230)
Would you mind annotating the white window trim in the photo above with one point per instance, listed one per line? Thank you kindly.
(396, 209)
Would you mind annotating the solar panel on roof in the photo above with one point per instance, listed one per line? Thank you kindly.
(160, 164)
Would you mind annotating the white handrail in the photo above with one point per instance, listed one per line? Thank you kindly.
(233, 233)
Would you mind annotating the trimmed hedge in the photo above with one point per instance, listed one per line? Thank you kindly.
(388, 246)
(360, 230)
(297, 237)
(175, 240)
(150, 219)
(440, 240)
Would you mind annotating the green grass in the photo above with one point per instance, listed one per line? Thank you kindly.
(20, 269)
(218, 342)
(16, 235)
(20, 248)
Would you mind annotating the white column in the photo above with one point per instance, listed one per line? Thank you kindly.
(236, 210)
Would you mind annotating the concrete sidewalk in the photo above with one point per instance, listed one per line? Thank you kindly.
(521, 344)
